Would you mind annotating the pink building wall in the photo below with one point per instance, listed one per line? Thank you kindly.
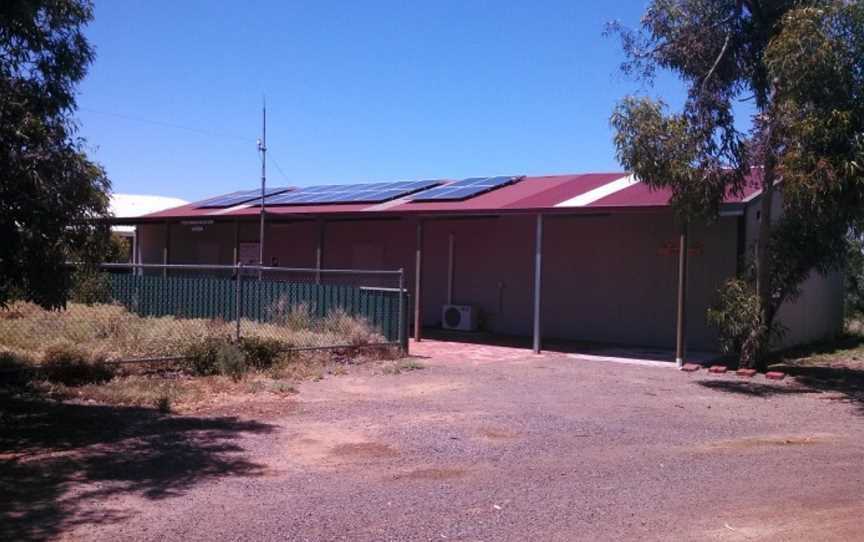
(606, 278)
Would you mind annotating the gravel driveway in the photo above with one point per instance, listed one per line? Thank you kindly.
(491, 443)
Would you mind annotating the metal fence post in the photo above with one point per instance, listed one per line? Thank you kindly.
(403, 335)
(238, 296)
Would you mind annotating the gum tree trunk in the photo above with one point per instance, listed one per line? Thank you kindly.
(763, 269)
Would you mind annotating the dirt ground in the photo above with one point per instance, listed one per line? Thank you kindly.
(483, 443)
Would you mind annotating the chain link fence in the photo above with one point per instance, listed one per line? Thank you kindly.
(151, 311)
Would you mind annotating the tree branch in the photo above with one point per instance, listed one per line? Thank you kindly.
(717, 60)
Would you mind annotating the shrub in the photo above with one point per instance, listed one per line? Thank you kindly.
(90, 287)
(71, 366)
(262, 353)
(14, 371)
(854, 277)
(737, 318)
(230, 361)
(163, 403)
(295, 317)
(216, 356)
(201, 356)
(350, 330)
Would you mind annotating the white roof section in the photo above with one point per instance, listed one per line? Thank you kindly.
(600, 192)
(133, 205)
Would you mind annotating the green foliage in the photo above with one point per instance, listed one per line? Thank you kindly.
(90, 286)
(802, 63)
(119, 249)
(71, 366)
(230, 361)
(818, 57)
(737, 316)
(49, 191)
(262, 353)
(855, 278)
(201, 356)
(699, 180)
(216, 356)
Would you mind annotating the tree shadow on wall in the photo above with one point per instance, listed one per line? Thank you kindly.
(56, 459)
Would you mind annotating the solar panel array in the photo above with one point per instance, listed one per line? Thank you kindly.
(363, 193)
(350, 193)
(464, 189)
(236, 198)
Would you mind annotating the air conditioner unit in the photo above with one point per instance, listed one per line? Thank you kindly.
(461, 317)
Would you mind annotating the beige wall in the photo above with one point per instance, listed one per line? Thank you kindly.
(817, 313)
(151, 239)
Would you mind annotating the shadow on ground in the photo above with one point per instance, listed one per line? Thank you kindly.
(560, 346)
(55, 457)
(845, 342)
(847, 384)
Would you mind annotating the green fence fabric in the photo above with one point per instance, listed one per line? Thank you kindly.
(260, 300)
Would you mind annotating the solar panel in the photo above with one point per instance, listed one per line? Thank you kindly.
(236, 198)
(464, 189)
(350, 193)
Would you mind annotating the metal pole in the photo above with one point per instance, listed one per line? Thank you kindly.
(681, 328)
(262, 146)
(538, 281)
(418, 282)
(238, 298)
(450, 268)
(236, 242)
(403, 336)
(319, 252)
(165, 249)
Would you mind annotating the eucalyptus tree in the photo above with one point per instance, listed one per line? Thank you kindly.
(801, 63)
(50, 192)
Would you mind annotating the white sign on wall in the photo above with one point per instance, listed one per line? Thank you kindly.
(248, 253)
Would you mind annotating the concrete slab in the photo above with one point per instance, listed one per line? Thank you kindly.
(507, 348)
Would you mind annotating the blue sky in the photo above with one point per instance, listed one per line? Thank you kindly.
(356, 91)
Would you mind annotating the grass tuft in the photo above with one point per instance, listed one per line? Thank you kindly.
(402, 366)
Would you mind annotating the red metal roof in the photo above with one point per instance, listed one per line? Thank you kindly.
(552, 193)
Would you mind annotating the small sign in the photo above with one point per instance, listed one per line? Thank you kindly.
(248, 253)
(670, 248)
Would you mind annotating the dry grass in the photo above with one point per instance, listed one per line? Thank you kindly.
(168, 389)
(32, 336)
(844, 352)
(111, 332)
(403, 365)
(172, 391)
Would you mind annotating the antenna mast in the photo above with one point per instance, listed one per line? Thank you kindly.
(262, 148)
